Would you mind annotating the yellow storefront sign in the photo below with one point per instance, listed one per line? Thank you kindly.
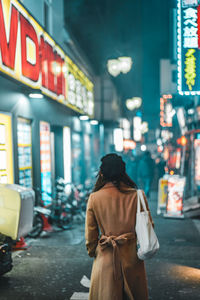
(30, 55)
(6, 149)
(162, 194)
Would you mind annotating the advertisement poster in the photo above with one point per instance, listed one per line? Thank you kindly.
(162, 195)
(24, 152)
(176, 185)
(6, 150)
(45, 162)
(197, 161)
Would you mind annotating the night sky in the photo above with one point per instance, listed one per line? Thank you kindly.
(141, 29)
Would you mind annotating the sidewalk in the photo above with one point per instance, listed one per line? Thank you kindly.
(54, 267)
(174, 272)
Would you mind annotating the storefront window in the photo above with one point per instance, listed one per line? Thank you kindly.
(24, 152)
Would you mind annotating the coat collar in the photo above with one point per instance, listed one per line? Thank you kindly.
(111, 185)
(108, 185)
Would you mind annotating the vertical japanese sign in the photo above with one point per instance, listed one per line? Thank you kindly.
(45, 162)
(188, 46)
(6, 150)
(166, 111)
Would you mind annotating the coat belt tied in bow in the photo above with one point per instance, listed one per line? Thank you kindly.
(114, 241)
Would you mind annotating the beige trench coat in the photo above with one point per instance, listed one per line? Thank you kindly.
(117, 273)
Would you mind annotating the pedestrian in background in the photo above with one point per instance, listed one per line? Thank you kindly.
(117, 273)
(146, 169)
(131, 165)
(161, 165)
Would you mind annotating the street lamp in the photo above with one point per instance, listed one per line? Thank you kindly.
(125, 64)
(121, 64)
(133, 103)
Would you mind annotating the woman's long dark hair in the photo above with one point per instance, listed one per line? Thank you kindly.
(113, 170)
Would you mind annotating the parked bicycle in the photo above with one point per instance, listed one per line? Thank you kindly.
(68, 204)
(58, 213)
(75, 198)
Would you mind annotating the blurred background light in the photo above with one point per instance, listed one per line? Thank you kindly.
(84, 118)
(36, 95)
(118, 139)
(190, 111)
(133, 103)
(94, 122)
(125, 64)
(143, 147)
(113, 66)
(121, 64)
(137, 128)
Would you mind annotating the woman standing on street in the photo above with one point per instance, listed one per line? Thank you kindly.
(117, 273)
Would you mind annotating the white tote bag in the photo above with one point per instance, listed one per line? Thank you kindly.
(147, 241)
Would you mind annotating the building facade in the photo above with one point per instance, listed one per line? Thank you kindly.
(45, 87)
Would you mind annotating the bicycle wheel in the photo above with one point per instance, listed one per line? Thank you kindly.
(65, 220)
(38, 225)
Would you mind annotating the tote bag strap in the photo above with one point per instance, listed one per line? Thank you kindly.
(140, 200)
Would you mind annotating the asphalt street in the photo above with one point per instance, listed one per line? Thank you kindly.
(56, 265)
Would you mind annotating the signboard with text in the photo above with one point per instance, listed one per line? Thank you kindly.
(188, 46)
(162, 194)
(176, 186)
(6, 149)
(166, 109)
(45, 162)
(31, 56)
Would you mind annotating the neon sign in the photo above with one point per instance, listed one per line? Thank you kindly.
(166, 111)
(31, 56)
(188, 47)
(190, 69)
(190, 38)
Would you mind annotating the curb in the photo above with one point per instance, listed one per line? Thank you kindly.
(197, 225)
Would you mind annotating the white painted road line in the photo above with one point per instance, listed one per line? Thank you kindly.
(80, 296)
(85, 282)
(197, 224)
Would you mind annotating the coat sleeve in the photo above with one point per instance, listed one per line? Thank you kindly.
(147, 205)
(91, 229)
